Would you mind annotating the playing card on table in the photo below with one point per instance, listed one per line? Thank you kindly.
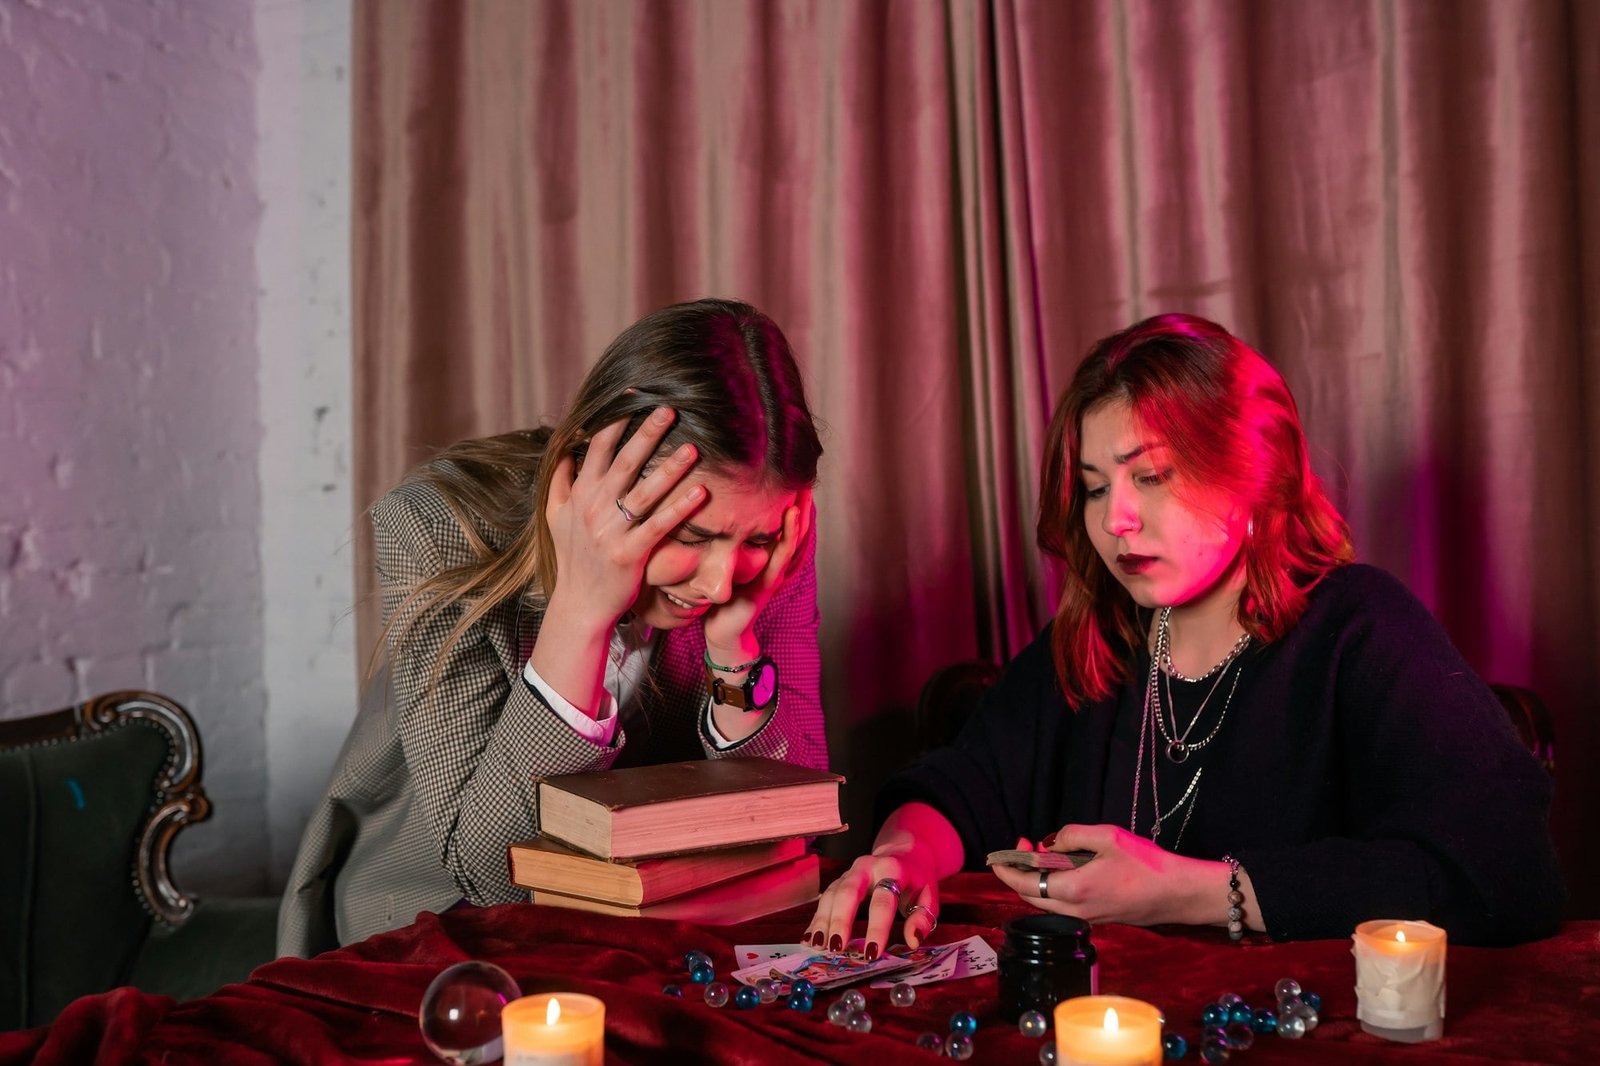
(747, 955)
(825, 970)
(946, 962)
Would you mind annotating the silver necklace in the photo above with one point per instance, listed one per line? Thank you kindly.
(1178, 747)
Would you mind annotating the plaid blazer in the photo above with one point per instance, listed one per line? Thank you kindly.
(434, 782)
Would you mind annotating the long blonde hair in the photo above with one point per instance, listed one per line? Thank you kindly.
(724, 367)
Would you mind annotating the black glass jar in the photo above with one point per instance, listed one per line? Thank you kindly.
(1045, 959)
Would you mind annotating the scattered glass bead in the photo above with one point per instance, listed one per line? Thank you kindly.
(855, 999)
(804, 987)
(798, 1001)
(702, 974)
(1312, 1000)
(1310, 1019)
(1239, 1012)
(1213, 1015)
(1286, 987)
(746, 998)
(963, 1022)
(672, 990)
(1047, 1054)
(860, 1022)
(1290, 1005)
(460, 1012)
(1174, 1046)
(1228, 1000)
(931, 1042)
(717, 994)
(1264, 1021)
(1291, 1026)
(691, 959)
(766, 989)
(959, 1046)
(1240, 1036)
(902, 995)
(839, 1012)
(1214, 1032)
(1033, 1024)
(1214, 1051)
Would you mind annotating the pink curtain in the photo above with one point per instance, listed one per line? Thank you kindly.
(945, 204)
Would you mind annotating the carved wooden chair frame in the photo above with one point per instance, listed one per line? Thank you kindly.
(179, 799)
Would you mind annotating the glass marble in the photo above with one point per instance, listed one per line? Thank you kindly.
(717, 994)
(959, 1046)
(672, 990)
(902, 995)
(1033, 1024)
(1290, 1005)
(460, 1012)
(766, 989)
(1229, 1000)
(1047, 1054)
(855, 999)
(1312, 1000)
(691, 959)
(1264, 1021)
(931, 1042)
(1310, 1019)
(1174, 1046)
(1240, 1036)
(1286, 987)
(1213, 1015)
(799, 1001)
(1214, 1051)
(746, 998)
(702, 974)
(1291, 1026)
(860, 1022)
(1239, 1012)
(804, 987)
(839, 1012)
(963, 1022)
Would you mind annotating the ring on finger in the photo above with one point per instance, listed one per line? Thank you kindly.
(932, 918)
(1044, 884)
(627, 514)
(889, 884)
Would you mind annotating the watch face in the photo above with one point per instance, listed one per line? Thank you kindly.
(764, 684)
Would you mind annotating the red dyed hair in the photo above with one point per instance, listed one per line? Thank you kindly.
(1232, 427)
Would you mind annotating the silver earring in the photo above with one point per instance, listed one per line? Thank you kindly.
(1250, 527)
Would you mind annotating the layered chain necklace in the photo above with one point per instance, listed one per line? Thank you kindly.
(1178, 747)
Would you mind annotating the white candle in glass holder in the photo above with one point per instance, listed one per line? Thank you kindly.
(1400, 979)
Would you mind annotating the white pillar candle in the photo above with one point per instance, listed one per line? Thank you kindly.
(1400, 979)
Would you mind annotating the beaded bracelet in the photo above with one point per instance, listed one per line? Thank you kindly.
(1235, 900)
(741, 668)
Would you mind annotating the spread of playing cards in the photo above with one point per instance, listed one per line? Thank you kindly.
(784, 963)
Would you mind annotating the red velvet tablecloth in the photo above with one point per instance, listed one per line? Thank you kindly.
(1539, 1003)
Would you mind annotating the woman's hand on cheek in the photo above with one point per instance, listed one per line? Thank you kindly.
(600, 553)
(1129, 880)
(729, 625)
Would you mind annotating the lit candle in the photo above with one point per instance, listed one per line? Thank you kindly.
(1400, 979)
(555, 1029)
(1107, 1031)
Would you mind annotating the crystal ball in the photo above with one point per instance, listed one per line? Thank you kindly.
(963, 1022)
(860, 1022)
(855, 999)
(931, 1042)
(1033, 1024)
(902, 995)
(460, 1012)
(717, 994)
(1047, 1055)
(959, 1046)
(1286, 987)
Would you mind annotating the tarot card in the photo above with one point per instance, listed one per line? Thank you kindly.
(946, 962)
(825, 970)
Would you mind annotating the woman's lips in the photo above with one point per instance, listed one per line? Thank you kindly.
(1135, 564)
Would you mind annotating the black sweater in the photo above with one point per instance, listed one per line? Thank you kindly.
(1363, 771)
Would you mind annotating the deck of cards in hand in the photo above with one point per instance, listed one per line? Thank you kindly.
(714, 841)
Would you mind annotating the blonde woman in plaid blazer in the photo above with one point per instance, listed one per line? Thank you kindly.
(552, 601)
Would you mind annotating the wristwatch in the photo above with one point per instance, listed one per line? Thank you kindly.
(757, 692)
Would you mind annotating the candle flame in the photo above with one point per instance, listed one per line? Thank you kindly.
(553, 1013)
(1111, 1019)
(1400, 935)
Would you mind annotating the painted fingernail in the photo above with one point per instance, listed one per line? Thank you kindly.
(836, 943)
(872, 950)
(662, 416)
(1047, 841)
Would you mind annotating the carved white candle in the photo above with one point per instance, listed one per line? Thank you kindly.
(1400, 979)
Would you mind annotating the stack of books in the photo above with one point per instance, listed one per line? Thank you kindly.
(714, 841)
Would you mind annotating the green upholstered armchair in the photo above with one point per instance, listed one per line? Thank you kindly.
(90, 800)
